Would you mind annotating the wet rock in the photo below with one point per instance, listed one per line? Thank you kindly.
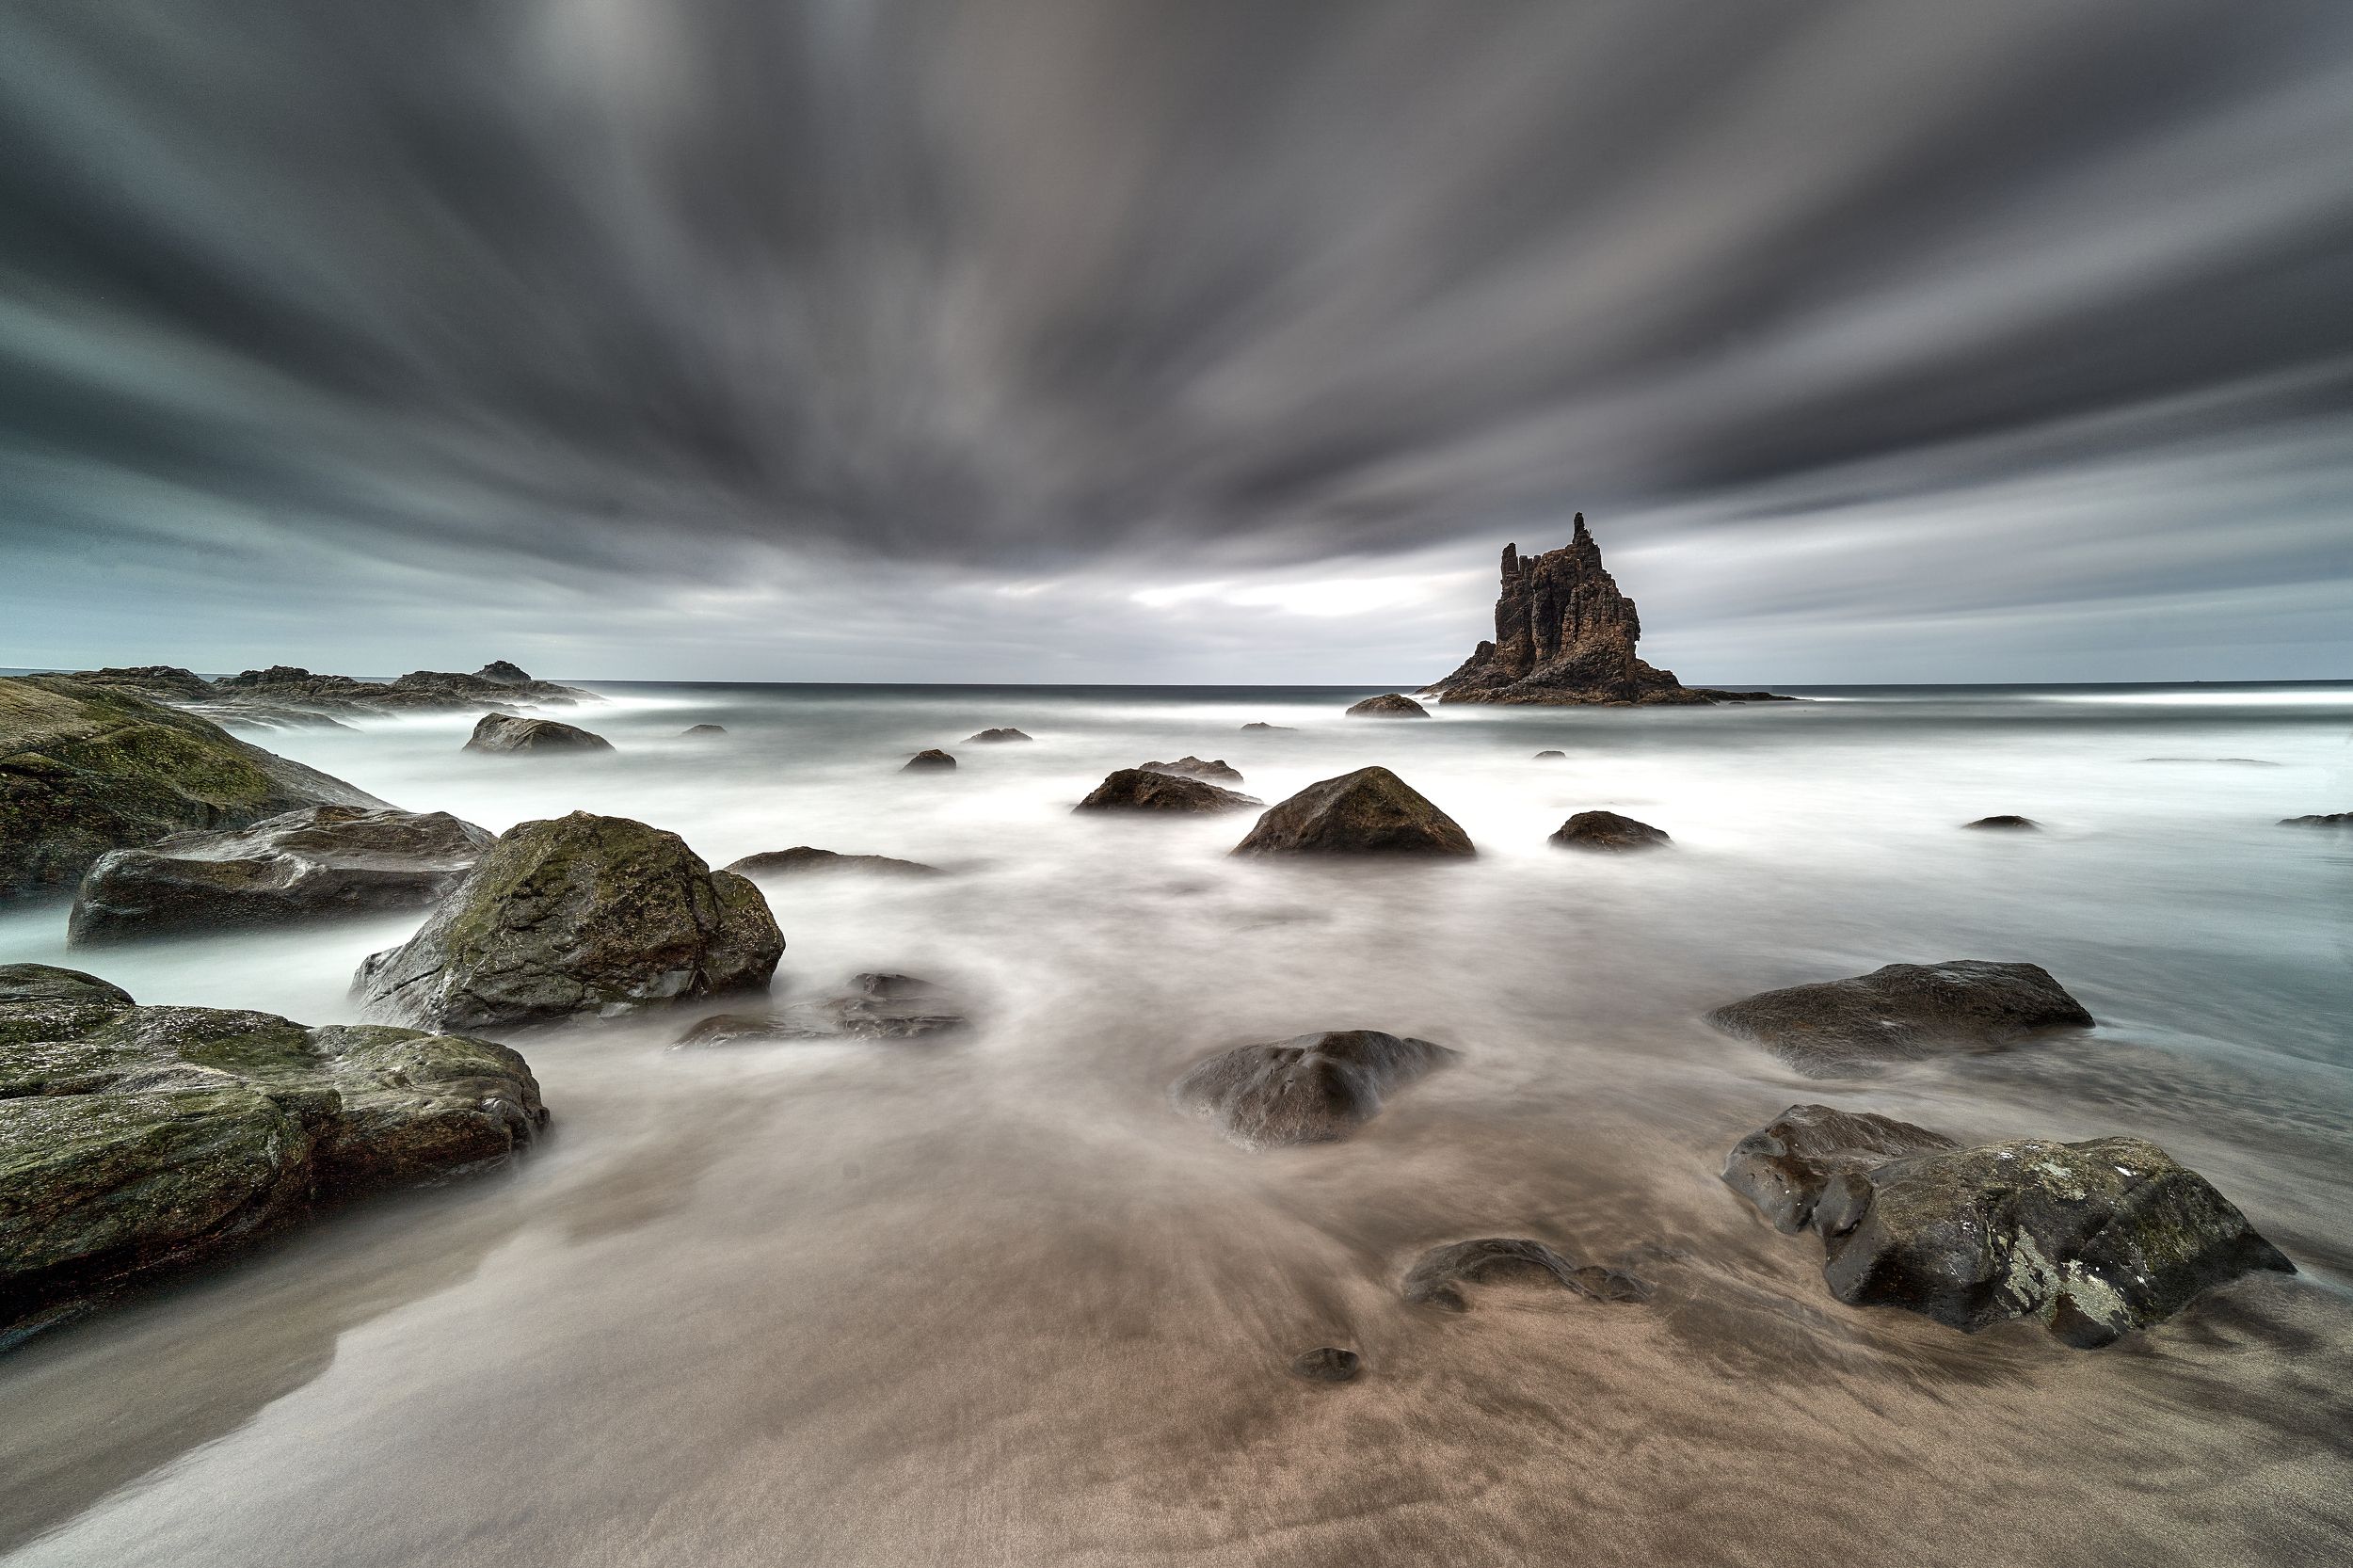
(2092, 1239)
(496, 686)
(1608, 831)
(138, 1140)
(1903, 1012)
(1784, 1166)
(1437, 1278)
(85, 769)
(1195, 767)
(1144, 790)
(1389, 705)
(876, 1007)
(2333, 818)
(802, 860)
(318, 863)
(1308, 1088)
(1551, 756)
(505, 732)
(1260, 723)
(702, 731)
(995, 737)
(1327, 1364)
(927, 762)
(499, 672)
(1371, 812)
(2005, 824)
(579, 914)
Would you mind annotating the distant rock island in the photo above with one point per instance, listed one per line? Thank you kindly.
(1565, 634)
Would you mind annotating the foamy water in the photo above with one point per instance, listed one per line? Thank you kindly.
(993, 1301)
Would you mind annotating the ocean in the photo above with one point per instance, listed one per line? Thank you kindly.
(991, 1299)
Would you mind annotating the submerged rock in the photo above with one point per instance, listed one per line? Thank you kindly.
(2333, 818)
(926, 762)
(579, 914)
(702, 731)
(1146, 789)
(1327, 1364)
(876, 1007)
(1437, 1278)
(2092, 1239)
(802, 860)
(1195, 767)
(1550, 755)
(2005, 824)
(995, 737)
(85, 769)
(1308, 1088)
(1608, 831)
(512, 733)
(1389, 705)
(1371, 812)
(323, 860)
(1902, 1013)
(1261, 724)
(138, 1140)
(158, 683)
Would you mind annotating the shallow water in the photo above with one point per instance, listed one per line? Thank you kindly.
(995, 1302)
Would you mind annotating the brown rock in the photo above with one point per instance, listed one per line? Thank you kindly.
(932, 761)
(1608, 831)
(1902, 1012)
(1371, 812)
(1144, 789)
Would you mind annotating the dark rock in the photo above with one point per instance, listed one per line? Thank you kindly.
(1565, 634)
(138, 1140)
(156, 682)
(801, 860)
(2005, 824)
(2094, 1240)
(2335, 819)
(85, 769)
(1390, 705)
(511, 733)
(1327, 1364)
(322, 860)
(1608, 831)
(1437, 1278)
(926, 761)
(1784, 1166)
(702, 731)
(581, 914)
(1260, 723)
(500, 673)
(289, 686)
(877, 1007)
(1144, 789)
(1194, 767)
(1902, 1012)
(1369, 811)
(1310, 1089)
(993, 737)
(1548, 755)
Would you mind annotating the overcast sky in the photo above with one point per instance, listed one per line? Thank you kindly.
(1134, 340)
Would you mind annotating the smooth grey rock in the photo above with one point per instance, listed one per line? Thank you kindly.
(512, 733)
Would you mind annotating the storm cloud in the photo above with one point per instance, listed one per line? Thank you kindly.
(1112, 339)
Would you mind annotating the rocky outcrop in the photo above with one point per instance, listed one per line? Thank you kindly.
(1144, 789)
(511, 733)
(876, 1007)
(1565, 634)
(995, 737)
(1437, 1278)
(1308, 1088)
(138, 1140)
(1389, 705)
(2005, 824)
(1902, 1013)
(2092, 1239)
(579, 914)
(802, 860)
(85, 769)
(2333, 818)
(290, 687)
(932, 761)
(1371, 812)
(1608, 832)
(1195, 767)
(320, 861)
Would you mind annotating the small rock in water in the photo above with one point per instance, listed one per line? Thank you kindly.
(1608, 831)
(1902, 1012)
(2333, 818)
(1371, 812)
(926, 762)
(1327, 1364)
(993, 737)
(1261, 724)
(1146, 789)
(802, 859)
(2005, 824)
(1389, 705)
(1436, 1279)
(1547, 756)
(511, 733)
(1308, 1088)
(701, 731)
(1194, 767)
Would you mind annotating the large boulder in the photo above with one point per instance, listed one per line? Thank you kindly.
(160, 682)
(1903, 1012)
(85, 769)
(2092, 1239)
(1197, 767)
(1146, 789)
(136, 1140)
(1389, 705)
(802, 861)
(1308, 1088)
(503, 733)
(1437, 1277)
(496, 684)
(1371, 812)
(1608, 832)
(579, 914)
(322, 860)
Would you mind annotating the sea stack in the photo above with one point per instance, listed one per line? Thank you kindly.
(1565, 634)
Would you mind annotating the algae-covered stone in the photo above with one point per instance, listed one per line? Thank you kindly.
(578, 914)
(136, 1138)
(86, 768)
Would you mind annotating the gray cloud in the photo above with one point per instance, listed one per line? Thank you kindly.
(595, 313)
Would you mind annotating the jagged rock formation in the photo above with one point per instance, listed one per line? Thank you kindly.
(288, 696)
(1565, 634)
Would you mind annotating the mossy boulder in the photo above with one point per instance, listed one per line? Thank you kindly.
(86, 768)
(511, 733)
(577, 914)
(315, 863)
(1371, 812)
(1144, 790)
(1903, 1012)
(1310, 1089)
(136, 1140)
